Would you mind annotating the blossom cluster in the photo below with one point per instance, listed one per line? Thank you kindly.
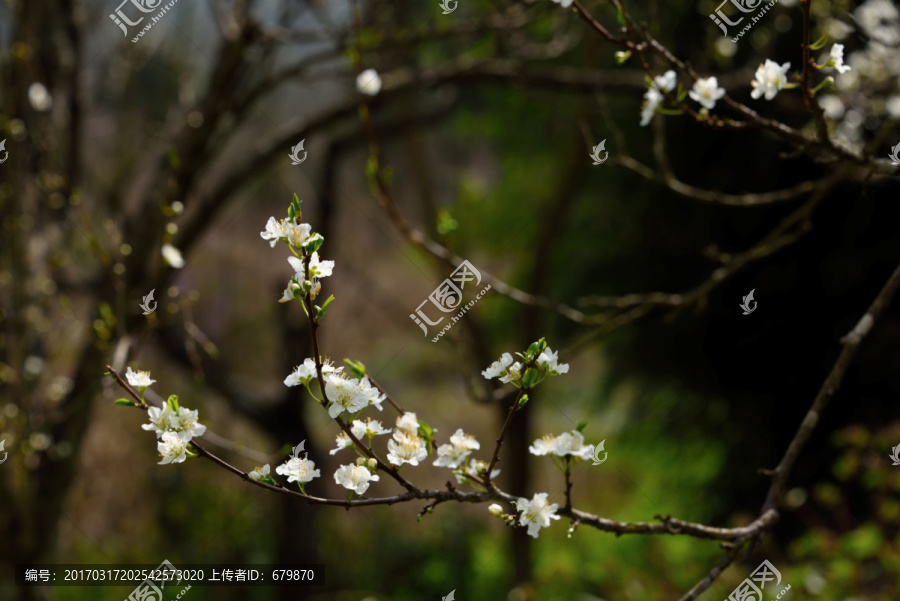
(537, 363)
(175, 426)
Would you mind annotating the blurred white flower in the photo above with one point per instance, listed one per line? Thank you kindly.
(161, 420)
(653, 96)
(836, 59)
(368, 82)
(406, 448)
(543, 445)
(548, 358)
(274, 231)
(498, 367)
(536, 513)
(707, 92)
(563, 3)
(172, 448)
(39, 97)
(770, 78)
(474, 470)
(355, 478)
(832, 105)
(572, 443)
(172, 256)
(408, 423)
(259, 472)
(453, 454)
(298, 470)
(893, 106)
(342, 441)
(306, 372)
(141, 379)
(880, 19)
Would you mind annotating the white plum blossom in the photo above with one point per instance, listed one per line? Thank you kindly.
(567, 443)
(172, 448)
(259, 472)
(836, 59)
(306, 372)
(770, 78)
(408, 423)
(474, 470)
(319, 269)
(498, 367)
(344, 395)
(406, 448)
(275, 231)
(370, 393)
(563, 3)
(300, 235)
(653, 96)
(172, 256)
(548, 358)
(536, 513)
(186, 424)
(342, 441)
(161, 420)
(286, 296)
(140, 379)
(460, 447)
(355, 478)
(298, 470)
(707, 92)
(368, 82)
(369, 428)
(513, 373)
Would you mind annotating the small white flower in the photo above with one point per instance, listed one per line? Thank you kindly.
(653, 96)
(498, 367)
(355, 478)
(368, 82)
(572, 443)
(770, 78)
(707, 92)
(408, 423)
(548, 358)
(141, 379)
(300, 235)
(298, 470)
(259, 472)
(161, 420)
(836, 59)
(39, 97)
(495, 510)
(302, 374)
(536, 513)
(370, 393)
(543, 445)
(344, 395)
(368, 428)
(319, 269)
(186, 424)
(275, 231)
(172, 256)
(342, 441)
(172, 448)
(460, 447)
(513, 373)
(563, 3)
(286, 297)
(406, 448)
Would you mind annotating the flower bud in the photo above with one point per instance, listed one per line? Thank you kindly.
(372, 463)
(495, 510)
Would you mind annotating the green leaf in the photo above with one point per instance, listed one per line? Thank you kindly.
(622, 56)
(314, 245)
(530, 378)
(581, 425)
(125, 402)
(356, 368)
(820, 43)
(522, 402)
(427, 432)
(173, 402)
(320, 311)
(620, 16)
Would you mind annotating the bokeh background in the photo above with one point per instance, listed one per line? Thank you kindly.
(485, 119)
